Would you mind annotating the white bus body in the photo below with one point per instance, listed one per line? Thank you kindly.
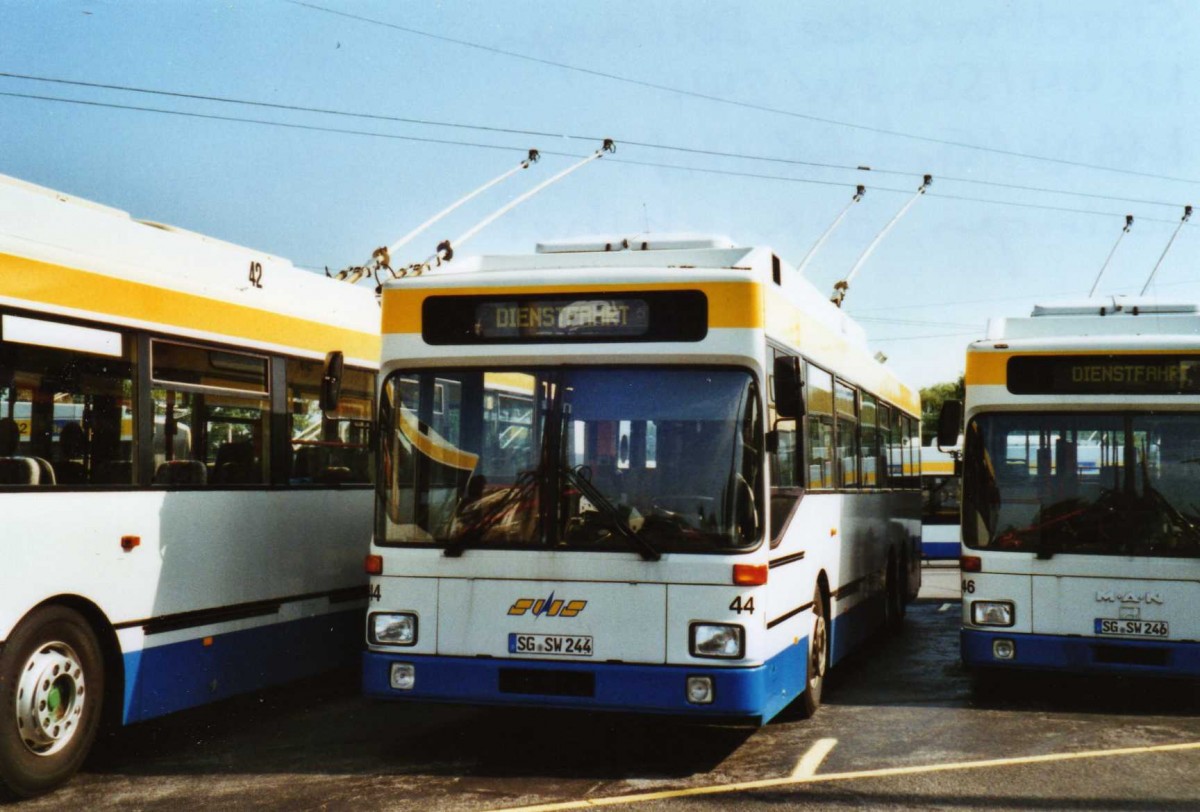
(1081, 520)
(177, 525)
(577, 504)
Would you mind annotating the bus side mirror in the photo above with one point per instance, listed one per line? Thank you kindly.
(949, 424)
(788, 402)
(331, 380)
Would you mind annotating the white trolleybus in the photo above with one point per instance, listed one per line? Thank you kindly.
(648, 475)
(940, 487)
(1081, 490)
(181, 522)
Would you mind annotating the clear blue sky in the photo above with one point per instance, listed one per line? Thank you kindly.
(1108, 84)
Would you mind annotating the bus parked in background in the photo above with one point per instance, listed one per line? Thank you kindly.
(181, 519)
(1081, 475)
(940, 489)
(658, 475)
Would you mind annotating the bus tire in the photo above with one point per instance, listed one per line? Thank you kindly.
(818, 658)
(51, 699)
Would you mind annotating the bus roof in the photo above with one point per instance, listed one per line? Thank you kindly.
(105, 264)
(1097, 321)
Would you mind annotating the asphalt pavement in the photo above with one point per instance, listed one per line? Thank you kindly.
(901, 728)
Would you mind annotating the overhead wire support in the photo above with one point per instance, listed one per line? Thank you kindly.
(446, 248)
(840, 289)
(858, 195)
(1187, 214)
(381, 257)
(1121, 236)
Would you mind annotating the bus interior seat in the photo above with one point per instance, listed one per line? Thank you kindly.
(181, 472)
(20, 469)
(235, 464)
(45, 471)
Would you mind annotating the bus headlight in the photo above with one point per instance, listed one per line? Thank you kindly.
(392, 628)
(724, 640)
(992, 613)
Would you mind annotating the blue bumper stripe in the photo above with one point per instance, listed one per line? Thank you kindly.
(164, 679)
(757, 693)
(1084, 654)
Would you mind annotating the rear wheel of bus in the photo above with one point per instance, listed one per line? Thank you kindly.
(51, 692)
(818, 657)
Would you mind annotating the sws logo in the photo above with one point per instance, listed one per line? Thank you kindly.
(550, 607)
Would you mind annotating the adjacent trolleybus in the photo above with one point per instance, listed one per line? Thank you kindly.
(1081, 490)
(940, 486)
(181, 520)
(659, 474)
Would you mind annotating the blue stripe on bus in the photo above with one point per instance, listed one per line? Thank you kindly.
(172, 677)
(852, 627)
(1096, 655)
(938, 550)
(753, 694)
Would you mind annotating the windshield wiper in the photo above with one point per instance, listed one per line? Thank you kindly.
(601, 502)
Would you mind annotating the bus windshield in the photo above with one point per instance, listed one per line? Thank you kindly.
(1095, 483)
(650, 460)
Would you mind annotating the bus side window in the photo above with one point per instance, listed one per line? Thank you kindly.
(65, 410)
(211, 416)
(334, 447)
(883, 468)
(819, 449)
(846, 401)
(784, 467)
(869, 416)
(911, 449)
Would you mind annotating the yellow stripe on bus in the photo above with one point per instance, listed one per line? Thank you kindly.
(991, 368)
(56, 285)
(730, 304)
(937, 467)
(435, 446)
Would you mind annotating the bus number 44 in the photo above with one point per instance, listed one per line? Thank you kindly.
(740, 605)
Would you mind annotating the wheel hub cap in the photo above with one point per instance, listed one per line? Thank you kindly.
(818, 647)
(50, 699)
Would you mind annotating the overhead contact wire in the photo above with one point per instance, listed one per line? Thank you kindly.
(479, 145)
(735, 102)
(573, 136)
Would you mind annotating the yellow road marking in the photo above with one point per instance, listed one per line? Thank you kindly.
(888, 772)
(807, 766)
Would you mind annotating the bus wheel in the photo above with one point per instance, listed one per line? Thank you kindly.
(51, 691)
(818, 657)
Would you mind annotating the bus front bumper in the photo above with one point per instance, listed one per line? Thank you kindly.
(1084, 655)
(750, 694)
